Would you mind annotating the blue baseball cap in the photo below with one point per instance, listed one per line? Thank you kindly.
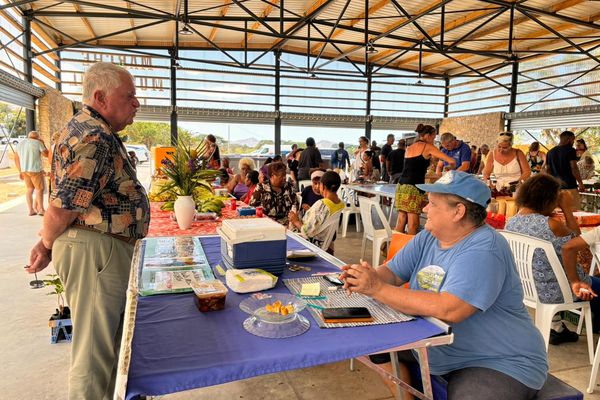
(461, 184)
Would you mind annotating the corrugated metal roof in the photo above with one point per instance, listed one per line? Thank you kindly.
(482, 28)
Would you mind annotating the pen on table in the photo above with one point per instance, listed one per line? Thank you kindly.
(315, 306)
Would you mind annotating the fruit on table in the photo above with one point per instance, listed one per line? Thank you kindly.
(278, 308)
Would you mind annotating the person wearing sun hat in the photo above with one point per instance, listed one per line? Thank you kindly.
(462, 271)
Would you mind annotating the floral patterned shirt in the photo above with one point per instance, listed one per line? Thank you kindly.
(92, 174)
(276, 205)
(536, 225)
(316, 216)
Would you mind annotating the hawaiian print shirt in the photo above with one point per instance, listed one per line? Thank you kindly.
(92, 174)
(275, 205)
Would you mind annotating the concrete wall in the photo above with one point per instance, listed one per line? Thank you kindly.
(475, 129)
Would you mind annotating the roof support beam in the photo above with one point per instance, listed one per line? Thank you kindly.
(223, 13)
(318, 7)
(333, 30)
(255, 17)
(78, 42)
(268, 9)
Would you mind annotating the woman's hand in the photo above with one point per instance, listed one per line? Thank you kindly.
(583, 291)
(361, 278)
(305, 207)
(293, 217)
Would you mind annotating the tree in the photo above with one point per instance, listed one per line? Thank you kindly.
(13, 119)
(156, 134)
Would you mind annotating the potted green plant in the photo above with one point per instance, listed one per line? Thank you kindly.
(187, 171)
(60, 322)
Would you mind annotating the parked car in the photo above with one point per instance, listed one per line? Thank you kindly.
(141, 151)
(14, 140)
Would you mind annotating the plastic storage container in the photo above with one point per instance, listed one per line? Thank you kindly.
(210, 295)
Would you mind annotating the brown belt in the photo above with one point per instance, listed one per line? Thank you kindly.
(122, 238)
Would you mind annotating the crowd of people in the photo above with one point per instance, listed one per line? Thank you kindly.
(458, 268)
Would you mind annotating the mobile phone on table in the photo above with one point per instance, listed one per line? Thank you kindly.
(333, 279)
(346, 314)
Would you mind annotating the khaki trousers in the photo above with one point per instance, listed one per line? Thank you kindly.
(94, 269)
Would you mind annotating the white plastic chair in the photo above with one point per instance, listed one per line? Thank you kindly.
(304, 183)
(349, 197)
(377, 236)
(523, 247)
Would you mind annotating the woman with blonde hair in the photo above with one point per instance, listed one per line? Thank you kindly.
(416, 162)
(237, 185)
(508, 164)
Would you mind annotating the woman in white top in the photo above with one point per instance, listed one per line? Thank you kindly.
(508, 164)
(359, 156)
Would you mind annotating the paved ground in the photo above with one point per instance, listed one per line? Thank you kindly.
(32, 368)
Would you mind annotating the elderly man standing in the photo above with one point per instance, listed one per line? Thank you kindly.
(462, 271)
(97, 210)
(28, 159)
(456, 149)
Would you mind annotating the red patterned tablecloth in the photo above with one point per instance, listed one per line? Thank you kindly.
(161, 223)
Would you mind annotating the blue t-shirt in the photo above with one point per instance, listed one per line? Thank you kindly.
(460, 154)
(481, 271)
(30, 155)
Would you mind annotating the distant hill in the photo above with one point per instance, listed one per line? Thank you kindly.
(250, 142)
(324, 144)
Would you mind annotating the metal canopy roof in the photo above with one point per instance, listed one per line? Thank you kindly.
(443, 37)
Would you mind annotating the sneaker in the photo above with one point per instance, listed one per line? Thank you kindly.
(564, 336)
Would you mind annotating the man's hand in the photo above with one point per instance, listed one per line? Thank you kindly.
(305, 207)
(21, 176)
(583, 291)
(361, 278)
(39, 258)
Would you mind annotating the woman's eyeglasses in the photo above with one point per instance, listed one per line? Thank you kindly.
(506, 134)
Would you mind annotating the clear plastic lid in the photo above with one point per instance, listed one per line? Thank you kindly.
(209, 288)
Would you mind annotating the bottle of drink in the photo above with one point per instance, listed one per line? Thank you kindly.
(290, 224)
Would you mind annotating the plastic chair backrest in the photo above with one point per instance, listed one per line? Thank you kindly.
(347, 195)
(399, 240)
(304, 183)
(366, 205)
(523, 247)
(330, 226)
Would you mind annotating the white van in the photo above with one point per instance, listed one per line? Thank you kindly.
(268, 150)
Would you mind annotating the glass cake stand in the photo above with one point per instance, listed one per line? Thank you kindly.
(268, 324)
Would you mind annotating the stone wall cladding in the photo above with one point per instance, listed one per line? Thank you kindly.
(54, 111)
(475, 129)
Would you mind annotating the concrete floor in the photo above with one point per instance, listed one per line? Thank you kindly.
(32, 368)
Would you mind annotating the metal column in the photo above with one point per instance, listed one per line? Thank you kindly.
(28, 70)
(513, 90)
(173, 54)
(277, 102)
(58, 73)
(368, 117)
(446, 95)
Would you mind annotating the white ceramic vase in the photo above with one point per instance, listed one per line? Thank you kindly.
(185, 208)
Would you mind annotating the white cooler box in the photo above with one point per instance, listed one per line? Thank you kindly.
(253, 243)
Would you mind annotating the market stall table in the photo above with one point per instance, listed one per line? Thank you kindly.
(169, 346)
(162, 224)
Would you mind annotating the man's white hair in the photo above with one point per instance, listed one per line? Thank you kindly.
(33, 135)
(102, 76)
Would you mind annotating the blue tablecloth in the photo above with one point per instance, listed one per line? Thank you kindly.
(175, 347)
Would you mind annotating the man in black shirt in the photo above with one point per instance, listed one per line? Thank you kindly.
(310, 158)
(395, 161)
(383, 157)
(375, 160)
(561, 162)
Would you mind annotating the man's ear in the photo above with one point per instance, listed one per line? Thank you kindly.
(99, 98)
(461, 210)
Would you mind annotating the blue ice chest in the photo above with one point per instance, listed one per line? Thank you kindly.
(253, 243)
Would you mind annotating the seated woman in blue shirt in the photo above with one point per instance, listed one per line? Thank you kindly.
(462, 272)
